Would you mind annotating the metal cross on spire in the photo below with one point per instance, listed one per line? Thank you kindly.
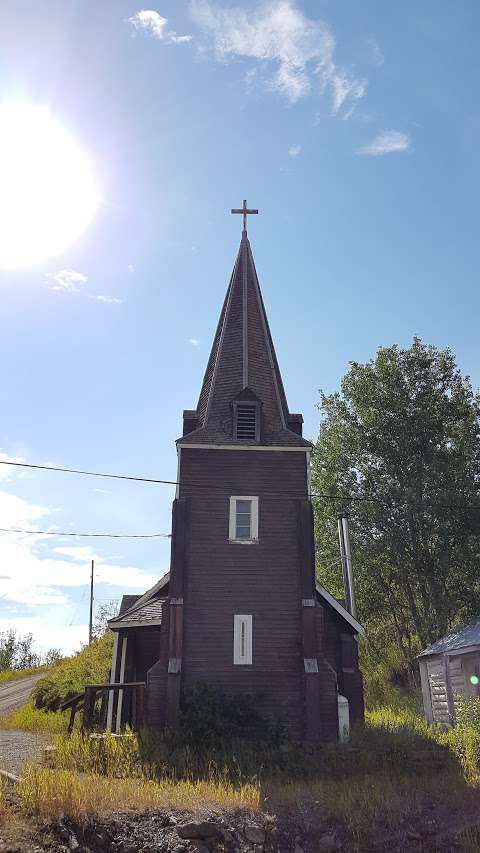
(244, 210)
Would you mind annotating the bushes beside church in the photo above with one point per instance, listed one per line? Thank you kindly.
(211, 719)
(89, 666)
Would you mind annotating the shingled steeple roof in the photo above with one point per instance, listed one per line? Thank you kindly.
(242, 364)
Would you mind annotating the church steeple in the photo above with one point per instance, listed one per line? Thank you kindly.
(242, 367)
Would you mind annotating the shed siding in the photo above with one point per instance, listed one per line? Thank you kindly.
(457, 679)
(438, 690)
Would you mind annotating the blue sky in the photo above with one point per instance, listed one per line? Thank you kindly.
(353, 127)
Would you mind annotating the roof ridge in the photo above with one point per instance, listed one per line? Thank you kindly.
(277, 378)
(222, 321)
(145, 598)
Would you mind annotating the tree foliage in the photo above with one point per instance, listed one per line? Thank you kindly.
(400, 445)
(17, 652)
(107, 610)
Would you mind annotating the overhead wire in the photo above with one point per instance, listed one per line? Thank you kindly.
(94, 535)
(212, 487)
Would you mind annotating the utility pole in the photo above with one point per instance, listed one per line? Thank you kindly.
(346, 557)
(90, 621)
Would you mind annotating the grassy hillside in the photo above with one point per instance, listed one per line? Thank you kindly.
(7, 675)
(90, 665)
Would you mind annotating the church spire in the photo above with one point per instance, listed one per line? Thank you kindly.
(242, 368)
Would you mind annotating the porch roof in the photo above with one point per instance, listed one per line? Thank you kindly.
(147, 615)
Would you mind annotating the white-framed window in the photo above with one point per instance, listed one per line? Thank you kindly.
(242, 639)
(243, 523)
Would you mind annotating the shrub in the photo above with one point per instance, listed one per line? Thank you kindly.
(211, 718)
(463, 739)
(30, 719)
(467, 712)
(387, 679)
(89, 666)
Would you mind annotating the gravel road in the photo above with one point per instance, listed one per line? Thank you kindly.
(14, 694)
(16, 747)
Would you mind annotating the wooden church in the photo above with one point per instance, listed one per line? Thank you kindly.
(240, 608)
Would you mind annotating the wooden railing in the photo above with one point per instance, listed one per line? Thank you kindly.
(88, 698)
(74, 704)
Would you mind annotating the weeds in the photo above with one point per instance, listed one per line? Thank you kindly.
(50, 793)
(379, 785)
(7, 675)
(30, 719)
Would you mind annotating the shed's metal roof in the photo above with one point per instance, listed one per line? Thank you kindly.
(465, 635)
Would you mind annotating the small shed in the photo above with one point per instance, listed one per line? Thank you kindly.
(449, 670)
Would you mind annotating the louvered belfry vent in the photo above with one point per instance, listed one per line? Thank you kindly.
(246, 425)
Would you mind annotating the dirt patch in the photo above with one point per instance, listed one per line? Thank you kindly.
(21, 834)
(437, 829)
(244, 832)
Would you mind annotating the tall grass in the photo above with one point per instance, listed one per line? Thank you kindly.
(7, 675)
(30, 719)
(382, 779)
(51, 793)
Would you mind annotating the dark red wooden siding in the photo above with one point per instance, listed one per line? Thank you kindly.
(340, 648)
(262, 579)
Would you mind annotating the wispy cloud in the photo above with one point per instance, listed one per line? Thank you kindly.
(194, 342)
(111, 300)
(294, 150)
(131, 268)
(153, 24)
(278, 32)
(375, 51)
(44, 577)
(78, 553)
(388, 142)
(40, 572)
(72, 281)
(345, 88)
(6, 471)
(66, 280)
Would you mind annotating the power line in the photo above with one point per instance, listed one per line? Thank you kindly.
(87, 473)
(211, 487)
(95, 535)
(391, 505)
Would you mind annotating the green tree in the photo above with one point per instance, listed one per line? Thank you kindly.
(403, 433)
(16, 651)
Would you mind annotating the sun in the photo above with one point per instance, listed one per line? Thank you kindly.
(48, 193)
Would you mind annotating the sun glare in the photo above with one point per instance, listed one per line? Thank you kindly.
(47, 188)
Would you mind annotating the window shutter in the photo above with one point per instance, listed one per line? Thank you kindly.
(246, 423)
(246, 420)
